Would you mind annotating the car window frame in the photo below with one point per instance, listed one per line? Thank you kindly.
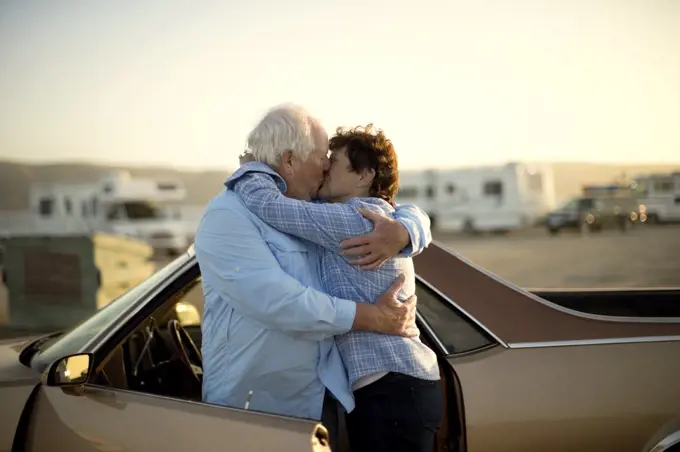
(492, 339)
(39, 361)
(145, 307)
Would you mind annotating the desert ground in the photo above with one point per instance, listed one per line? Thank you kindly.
(647, 256)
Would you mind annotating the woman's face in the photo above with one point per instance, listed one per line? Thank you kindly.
(341, 183)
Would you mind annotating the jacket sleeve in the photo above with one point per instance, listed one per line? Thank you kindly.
(326, 224)
(417, 224)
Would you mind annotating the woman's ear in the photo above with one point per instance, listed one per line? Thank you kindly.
(367, 176)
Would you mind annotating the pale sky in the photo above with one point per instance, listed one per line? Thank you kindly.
(452, 82)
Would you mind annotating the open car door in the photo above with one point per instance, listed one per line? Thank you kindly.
(70, 414)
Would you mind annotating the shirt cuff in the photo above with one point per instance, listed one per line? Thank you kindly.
(345, 313)
(413, 235)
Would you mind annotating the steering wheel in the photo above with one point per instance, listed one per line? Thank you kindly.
(185, 349)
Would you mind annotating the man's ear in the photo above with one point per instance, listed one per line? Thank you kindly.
(286, 164)
(367, 176)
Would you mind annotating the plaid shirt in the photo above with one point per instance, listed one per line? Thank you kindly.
(327, 224)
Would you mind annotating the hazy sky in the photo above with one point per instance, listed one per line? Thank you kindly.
(453, 82)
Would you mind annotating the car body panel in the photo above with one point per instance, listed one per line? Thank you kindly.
(569, 398)
(16, 384)
(666, 437)
(103, 419)
(515, 316)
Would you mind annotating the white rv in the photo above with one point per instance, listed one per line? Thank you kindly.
(143, 208)
(494, 198)
(659, 196)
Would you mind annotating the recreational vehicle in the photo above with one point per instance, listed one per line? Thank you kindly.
(493, 198)
(659, 196)
(143, 208)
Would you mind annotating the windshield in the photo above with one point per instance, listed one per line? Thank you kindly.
(576, 204)
(142, 210)
(569, 204)
(136, 211)
(75, 339)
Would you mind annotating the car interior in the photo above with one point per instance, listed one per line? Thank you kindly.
(633, 302)
(161, 356)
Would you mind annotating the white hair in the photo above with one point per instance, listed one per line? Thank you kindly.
(284, 127)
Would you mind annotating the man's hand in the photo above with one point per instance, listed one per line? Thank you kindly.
(389, 315)
(388, 238)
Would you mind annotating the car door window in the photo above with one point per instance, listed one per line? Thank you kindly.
(457, 333)
(194, 296)
(73, 340)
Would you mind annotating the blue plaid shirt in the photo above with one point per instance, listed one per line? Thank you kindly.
(327, 224)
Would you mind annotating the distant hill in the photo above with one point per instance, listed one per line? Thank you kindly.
(16, 178)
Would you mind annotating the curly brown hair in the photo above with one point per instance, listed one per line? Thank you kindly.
(367, 149)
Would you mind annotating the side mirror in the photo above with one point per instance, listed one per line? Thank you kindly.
(73, 370)
(187, 314)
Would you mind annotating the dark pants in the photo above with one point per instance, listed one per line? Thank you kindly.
(330, 419)
(396, 413)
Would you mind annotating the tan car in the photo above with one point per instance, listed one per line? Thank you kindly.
(587, 371)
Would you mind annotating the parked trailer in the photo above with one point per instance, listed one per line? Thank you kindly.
(492, 198)
(146, 209)
(659, 196)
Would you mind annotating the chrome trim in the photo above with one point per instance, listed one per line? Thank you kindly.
(93, 344)
(432, 334)
(555, 306)
(474, 351)
(585, 342)
(604, 289)
(463, 311)
(666, 443)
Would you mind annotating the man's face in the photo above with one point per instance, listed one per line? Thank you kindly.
(307, 175)
(341, 182)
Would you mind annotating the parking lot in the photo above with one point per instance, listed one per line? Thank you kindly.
(643, 257)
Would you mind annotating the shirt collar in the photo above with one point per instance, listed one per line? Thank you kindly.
(256, 167)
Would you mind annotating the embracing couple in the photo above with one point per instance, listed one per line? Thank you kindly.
(309, 287)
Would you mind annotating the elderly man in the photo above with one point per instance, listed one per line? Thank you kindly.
(267, 328)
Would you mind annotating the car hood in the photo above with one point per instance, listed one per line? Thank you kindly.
(10, 367)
